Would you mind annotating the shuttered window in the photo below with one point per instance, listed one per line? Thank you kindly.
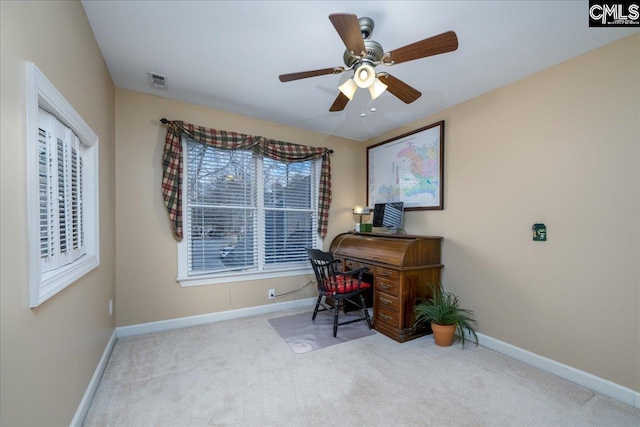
(60, 193)
(63, 190)
(246, 213)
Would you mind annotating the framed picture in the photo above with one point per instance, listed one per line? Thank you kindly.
(408, 168)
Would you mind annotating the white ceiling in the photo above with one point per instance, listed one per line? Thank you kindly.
(228, 55)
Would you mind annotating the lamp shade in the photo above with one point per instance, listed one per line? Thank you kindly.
(348, 88)
(364, 75)
(377, 88)
(359, 210)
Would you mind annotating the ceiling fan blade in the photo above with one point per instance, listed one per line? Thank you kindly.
(339, 103)
(442, 43)
(400, 89)
(348, 27)
(306, 74)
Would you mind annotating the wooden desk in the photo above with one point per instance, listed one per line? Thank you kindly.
(402, 267)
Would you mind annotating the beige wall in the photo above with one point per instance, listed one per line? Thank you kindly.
(49, 354)
(146, 251)
(559, 147)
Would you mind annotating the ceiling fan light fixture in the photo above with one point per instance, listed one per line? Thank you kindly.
(348, 88)
(364, 75)
(377, 88)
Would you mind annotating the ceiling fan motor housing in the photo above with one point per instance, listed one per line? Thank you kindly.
(374, 50)
(373, 55)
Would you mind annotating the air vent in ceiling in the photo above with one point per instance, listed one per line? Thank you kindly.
(158, 80)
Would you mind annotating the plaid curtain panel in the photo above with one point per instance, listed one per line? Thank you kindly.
(276, 150)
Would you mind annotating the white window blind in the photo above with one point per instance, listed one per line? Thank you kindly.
(246, 213)
(289, 209)
(222, 209)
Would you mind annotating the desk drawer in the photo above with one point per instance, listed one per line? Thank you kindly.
(386, 301)
(350, 264)
(387, 317)
(387, 286)
(387, 273)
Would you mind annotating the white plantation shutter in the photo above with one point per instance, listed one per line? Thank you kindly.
(63, 190)
(74, 179)
(246, 213)
(60, 193)
(81, 191)
(45, 197)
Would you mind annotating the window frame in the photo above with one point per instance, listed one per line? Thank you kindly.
(40, 93)
(283, 270)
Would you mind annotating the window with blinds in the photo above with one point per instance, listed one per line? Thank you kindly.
(246, 213)
(289, 211)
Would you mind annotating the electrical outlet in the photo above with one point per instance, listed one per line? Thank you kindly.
(272, 293)
(110, 307)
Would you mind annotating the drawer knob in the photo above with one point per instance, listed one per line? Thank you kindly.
(385, 317)
(385, 286)
(385, 301)
(386, 274)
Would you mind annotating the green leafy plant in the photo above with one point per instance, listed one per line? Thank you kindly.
(443, 308)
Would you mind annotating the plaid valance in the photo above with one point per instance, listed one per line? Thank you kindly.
(276, 150)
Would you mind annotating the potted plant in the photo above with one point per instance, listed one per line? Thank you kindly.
(446, 316)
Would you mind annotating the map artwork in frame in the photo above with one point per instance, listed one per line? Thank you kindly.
(408, 168)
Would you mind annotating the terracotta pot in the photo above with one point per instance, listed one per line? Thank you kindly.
(443, 334)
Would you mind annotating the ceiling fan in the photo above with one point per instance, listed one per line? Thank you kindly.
(363, 55)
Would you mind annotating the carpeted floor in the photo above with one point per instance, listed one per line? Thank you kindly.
(242, 373)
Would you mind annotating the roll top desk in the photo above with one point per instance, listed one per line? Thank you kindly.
(401, 267)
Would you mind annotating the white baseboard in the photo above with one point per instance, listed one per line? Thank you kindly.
(164, 325)
(577, 376)
(83, 408)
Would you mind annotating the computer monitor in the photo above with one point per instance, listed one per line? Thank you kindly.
(388, 215)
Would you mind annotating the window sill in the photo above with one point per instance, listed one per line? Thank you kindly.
(243, 276)
(52, 282)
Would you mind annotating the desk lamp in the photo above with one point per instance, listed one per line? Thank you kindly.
(359, 210)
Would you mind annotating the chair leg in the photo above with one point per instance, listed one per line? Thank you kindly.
(315, 312)
(366, 312)
(336, 310)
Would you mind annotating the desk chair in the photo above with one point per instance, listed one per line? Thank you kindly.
(339, 286)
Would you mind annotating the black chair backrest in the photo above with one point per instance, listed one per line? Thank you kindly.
(323, 267)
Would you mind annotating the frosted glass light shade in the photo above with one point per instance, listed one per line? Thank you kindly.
(359, 210)
(364, 75)
(348, 88)
(377, 88)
